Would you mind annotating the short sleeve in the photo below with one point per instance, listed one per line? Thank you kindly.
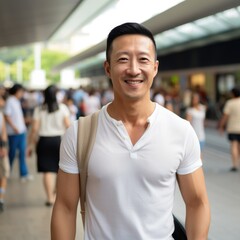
(65, 110)
(192, 153)
(226, 109)
(8, 107)
(68, 151)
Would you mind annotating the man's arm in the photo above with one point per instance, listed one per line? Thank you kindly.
(223, 122)
(63, 222)
(9, 121)
(193, 190)
(32, 136)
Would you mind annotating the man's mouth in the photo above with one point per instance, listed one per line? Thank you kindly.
(133, 82)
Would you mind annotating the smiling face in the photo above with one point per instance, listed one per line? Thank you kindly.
(132, 67)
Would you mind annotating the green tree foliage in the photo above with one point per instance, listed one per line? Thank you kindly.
(49, 59)
(2, 71)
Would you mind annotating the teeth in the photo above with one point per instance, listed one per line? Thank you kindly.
(133, 82)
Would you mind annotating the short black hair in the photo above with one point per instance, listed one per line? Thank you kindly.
(128, 28)
(236, 92)
(15, 88)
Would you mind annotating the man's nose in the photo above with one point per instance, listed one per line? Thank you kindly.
(133, 68)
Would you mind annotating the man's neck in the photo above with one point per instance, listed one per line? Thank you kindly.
(131, 112)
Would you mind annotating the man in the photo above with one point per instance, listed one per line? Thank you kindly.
(140, 150)
(16, 130)
(231, 118)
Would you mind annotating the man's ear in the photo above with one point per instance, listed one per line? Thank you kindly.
(156, 67)
(107, 68)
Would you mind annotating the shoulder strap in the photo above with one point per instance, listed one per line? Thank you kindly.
(87, 128)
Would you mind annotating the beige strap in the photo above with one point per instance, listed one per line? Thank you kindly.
(87, 129)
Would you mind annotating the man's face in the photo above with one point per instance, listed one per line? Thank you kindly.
(19, 93)
(132, 66)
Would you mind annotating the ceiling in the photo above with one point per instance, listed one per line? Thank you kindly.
(221, 26)
(28, 21)
(183, 13)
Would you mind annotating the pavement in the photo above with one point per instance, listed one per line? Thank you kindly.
(27, 218)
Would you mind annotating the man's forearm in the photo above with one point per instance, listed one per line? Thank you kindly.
(63, 224)
(9, 121)
(197, 222)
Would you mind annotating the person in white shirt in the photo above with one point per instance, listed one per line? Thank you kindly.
(141, 149)
(16, 130)
(50, 121)
(196, 115)
(92, 102)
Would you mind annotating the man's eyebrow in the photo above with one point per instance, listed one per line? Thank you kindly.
(128, 53)
(122, 52)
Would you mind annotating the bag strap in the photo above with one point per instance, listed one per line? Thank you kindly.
(87, 129)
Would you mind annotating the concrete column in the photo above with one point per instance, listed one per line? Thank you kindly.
(37, 56)
(19, 70)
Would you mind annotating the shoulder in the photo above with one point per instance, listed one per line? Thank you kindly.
(189, 110)
(70, 135)
(69, 138)
(170, 117)
(63, 108)
(229, 104)
(10, 100)
(172, 124)
(203, 106)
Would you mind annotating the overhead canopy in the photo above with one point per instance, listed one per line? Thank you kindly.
(28, 21)
(185, 12)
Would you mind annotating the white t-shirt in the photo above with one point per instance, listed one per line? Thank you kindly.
(13, 109)
(51, 124)
(159, 98)
(198, 117)
(92, 104)
(130, 189)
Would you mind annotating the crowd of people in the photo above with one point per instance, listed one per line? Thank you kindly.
(24, 122)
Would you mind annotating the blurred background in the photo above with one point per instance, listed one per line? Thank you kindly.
(63, 42)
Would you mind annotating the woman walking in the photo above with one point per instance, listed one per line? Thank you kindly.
(50, 120)
(196, 115)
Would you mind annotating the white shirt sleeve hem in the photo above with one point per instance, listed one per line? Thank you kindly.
(191, 168)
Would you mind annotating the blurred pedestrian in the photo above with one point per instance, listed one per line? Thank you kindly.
(50, 120)
(4, 162)
(196, 115)
(72, 108)
(231, 122)
(92, 102)
(159, 96)
(16, 130)
(107, 96)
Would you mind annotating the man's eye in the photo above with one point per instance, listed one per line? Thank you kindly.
(122, 59)
(144, 59)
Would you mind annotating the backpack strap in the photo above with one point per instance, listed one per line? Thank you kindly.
(87, 129)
